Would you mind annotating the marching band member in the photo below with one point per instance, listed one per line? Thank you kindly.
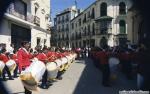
(51, 55)
(13, 56)
(24, 59)
(42, 57)
(103, 58)
(126, 62)
(5, 58)
(59, 55)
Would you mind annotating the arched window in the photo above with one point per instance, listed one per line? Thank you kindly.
(93, 13)
(122, 26)
(103, 9)
(85, 31)
(93, 29)
(89, 31)
(122, 8)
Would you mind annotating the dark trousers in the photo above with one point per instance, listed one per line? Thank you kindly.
(6, 70)
(44, 78)
(105, 73)
(60, 73)
(16, 71)
(27, 91)
(146, 83)
(127, 68)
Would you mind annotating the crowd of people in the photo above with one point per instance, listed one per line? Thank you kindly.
(133, 63)
(24, 56)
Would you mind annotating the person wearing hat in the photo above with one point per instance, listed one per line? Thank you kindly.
(23, 57)
(5, 58)
(43, 57)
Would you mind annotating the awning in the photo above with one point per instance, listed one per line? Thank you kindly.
(103, 18)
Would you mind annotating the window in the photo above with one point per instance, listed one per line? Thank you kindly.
(93, 29)
(85, 31)
(93, 13)
(103, 9)
(62, 19)
(72, 25)
(89, 30)
(80, 22)
(89, 14)
(45, 41)
(67, 17)
(67, 27)
(84, 20)
(58, 20)
(20, 8)
(62, 27)
(38, 41)
(76, 24)
(122, 26)
(36, 10)
(59, 28)
(122, 8)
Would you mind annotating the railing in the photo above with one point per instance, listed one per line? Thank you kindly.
(26, 16)
(37, 20)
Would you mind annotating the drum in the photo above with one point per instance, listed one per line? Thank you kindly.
(52, 70)
(113, 65)
(2, 65)
(66, 66)
(113, 62)
(32, 75)
(64, 60)
(69, 59)
(11, 64)
(58, 62)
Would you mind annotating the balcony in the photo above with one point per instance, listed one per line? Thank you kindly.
(15, 15)
(37, 20)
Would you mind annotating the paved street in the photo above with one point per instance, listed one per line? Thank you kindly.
(81, 78)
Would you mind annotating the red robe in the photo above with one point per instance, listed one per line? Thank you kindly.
(14, 57)
(4, 58)
(103, 56)
(51, 56)
(42, 57)
(23, 58)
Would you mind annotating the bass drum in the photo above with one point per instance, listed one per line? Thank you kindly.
(58, 62)
(52, 70)
(32, 75)
(113, 65)
(64, 60)
(11, 64)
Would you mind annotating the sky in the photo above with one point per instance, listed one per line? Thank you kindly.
(59, 5)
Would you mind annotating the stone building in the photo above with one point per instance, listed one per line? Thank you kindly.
(105, 22)
(26, 20)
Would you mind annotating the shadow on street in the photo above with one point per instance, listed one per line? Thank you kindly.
(90, 82)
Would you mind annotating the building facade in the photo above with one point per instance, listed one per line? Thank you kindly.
(62, 24)
(105, 22)
(26, 20)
